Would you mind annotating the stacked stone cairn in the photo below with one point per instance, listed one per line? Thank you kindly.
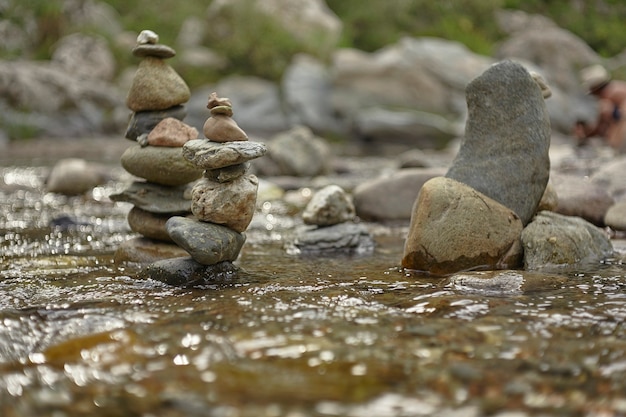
(156, 99)
(223, 201)
(329, 226)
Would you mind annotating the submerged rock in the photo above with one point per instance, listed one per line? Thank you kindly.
(504, 283)
(186, 272)
(144, 251)
(553, 239)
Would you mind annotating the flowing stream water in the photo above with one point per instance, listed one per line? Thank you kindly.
(341, 335)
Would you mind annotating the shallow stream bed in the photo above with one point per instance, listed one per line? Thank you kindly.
(341, 335)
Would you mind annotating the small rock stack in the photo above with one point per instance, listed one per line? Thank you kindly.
(329, 226)
(224, 200)
(156, 98)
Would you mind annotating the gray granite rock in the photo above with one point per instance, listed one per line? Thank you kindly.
(504, 153)
(227, 174)
(211, 155)
(207, 243)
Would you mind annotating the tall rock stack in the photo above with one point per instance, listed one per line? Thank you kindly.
(156, 98)
(224, 200)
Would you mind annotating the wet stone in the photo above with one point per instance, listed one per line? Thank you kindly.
(213, 155)
(207, 243)
(186, 272)
(505, 283)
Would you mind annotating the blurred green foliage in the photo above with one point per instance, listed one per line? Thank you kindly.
(260, 47)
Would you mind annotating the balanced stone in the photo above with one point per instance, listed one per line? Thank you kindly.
(504, 153)
(148, 224)
(209, 155)
(144, 121)
(220, 127)
(228, 173)
(161, 165)
(207, 243)
(330, 205)
(156, 86)
(143, 250)
(455, 228)
(154, 50)
(171, 132)
(231, 204)
(156, 198)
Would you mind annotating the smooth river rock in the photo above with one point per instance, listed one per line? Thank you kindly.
(160, 164)
(553, 239)
(156, 86)
(504, 153)
(207, 243)
(144, 121)
(455, 228)
(186, 272)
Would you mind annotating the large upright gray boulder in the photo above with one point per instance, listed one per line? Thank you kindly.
(504, 153)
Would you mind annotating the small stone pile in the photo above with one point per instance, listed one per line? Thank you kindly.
(329, 226)
(156, 98)
(224, 200)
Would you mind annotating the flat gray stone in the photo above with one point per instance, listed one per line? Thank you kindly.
(156, 198)
(210, 155)
(160, 165)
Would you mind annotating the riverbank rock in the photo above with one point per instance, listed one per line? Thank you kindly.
(298, 152)
(147, 224)
(578, 196)
(504, 153)
(75, 176)
(615, 217)
(156, 86)
(455, 228)
(555, 240)
(328, 206)
(145, 251)
(392, 197)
